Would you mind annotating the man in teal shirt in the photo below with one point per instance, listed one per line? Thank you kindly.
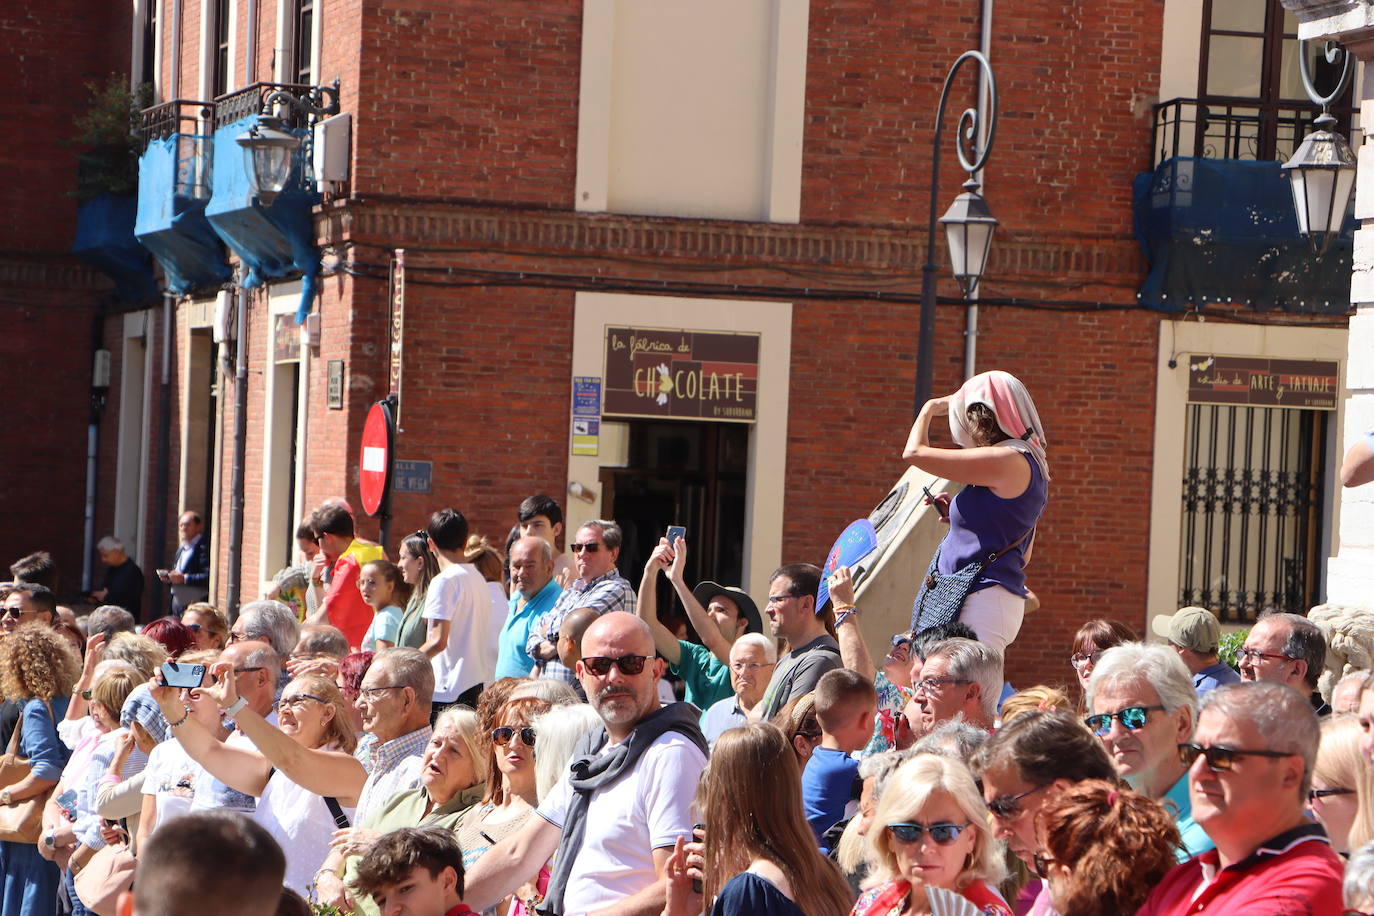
(533, 591)
(718, 613)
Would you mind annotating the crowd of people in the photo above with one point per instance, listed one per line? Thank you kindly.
(470, 729)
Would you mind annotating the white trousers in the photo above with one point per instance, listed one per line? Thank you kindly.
(995, 614)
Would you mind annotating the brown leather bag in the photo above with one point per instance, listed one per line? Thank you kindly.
(105, 876)
(22, 821)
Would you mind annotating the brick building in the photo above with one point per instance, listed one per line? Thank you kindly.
(744, 172)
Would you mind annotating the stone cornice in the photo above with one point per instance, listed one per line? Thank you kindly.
(20, 269)
(691, 242)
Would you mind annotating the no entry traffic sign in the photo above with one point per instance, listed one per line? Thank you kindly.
(376, 458)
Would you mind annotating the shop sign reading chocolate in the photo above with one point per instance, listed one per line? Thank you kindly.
(697, 375)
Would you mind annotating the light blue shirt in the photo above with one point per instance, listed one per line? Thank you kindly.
(1177, 802)
(511, 658)
(1209, 679)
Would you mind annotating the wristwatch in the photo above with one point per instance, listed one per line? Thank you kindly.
(236, 707)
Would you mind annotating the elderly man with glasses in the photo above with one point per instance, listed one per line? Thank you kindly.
(599, 586)
(959, 679)
(1249, 770)
(1143, 706)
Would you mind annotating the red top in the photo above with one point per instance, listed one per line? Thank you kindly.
(1294, 874)
(344, 603)
(460, 910)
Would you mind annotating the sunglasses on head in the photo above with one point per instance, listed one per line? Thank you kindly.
(600, 665)
(1132, 718)
(1221, 759)
(941, 834)
(505, 733)
(590, 547)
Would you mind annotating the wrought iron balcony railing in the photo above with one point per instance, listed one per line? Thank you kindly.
(179, 116)
(1222, 128)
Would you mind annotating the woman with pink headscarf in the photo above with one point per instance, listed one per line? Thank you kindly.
(1001, 462)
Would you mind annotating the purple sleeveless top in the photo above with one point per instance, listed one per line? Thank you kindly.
(981, 523)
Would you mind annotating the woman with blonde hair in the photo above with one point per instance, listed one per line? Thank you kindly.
(931, 837)
(1041, 696)
(1342, 786)
(208, 623)
(800, 726)
(759, 855)
(311, 744)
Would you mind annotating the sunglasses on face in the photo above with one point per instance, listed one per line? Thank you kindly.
(503, 735)
(600, 665)
(193, 627)
(590, 547)
(1042, 864)
(1007, 807)
(1080, 659)
(1131, 718)
(941, 834)
(1220, 759)
(298, 701)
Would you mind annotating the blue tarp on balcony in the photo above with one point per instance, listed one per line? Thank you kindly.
(171, 213)
(275, 241)
(1224, 230)
(105, 240)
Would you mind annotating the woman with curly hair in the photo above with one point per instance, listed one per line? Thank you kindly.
(37, 667)
(1104, 849)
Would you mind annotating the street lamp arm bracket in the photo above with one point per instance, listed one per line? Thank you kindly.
(1332, 52)
(972, 154)
(320, 100)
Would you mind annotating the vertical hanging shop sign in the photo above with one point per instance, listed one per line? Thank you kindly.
(396, 328)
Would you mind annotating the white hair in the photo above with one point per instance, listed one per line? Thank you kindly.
(1156, 665)
(1359, 878)
(272, 622)
(110, 542)
(558, 732)
(1282, 715)
(758, 640)
(972, 661)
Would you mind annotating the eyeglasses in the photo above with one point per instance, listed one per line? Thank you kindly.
(900, 639)
(1221, 759)
(590, 547)
(600, 665)
(298, 701)
(1082, 659)
(505, 733)
(1314, 794)
(941, 834)
(1252, 656)
(932, 684)
(1006, 807)
(779, 599)
(14, 612)
(376, 693)
(1042, 864)
(1131, 718)
(215, 678)
(741, 667)
(193, 627)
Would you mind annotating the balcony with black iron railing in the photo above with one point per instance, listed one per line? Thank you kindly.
(179, 116)
(1223, 128)
(253, 99)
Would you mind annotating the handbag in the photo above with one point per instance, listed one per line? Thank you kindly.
(21, 822)
(941, 598)
(107, 874)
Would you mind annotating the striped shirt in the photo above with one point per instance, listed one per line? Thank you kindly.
(394, 767)
(611, 592)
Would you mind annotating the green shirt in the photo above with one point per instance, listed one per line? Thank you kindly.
(707, 679)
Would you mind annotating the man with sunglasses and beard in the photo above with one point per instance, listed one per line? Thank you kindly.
(615, 817)
(599, 586)
(1249, 770)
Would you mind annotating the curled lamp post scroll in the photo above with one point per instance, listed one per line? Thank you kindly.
(969, 223)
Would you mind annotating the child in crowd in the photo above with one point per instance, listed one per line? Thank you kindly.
(845, 704)
(385, 591)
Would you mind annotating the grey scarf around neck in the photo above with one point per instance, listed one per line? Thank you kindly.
(589, 772)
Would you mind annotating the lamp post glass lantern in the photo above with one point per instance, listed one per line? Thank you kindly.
(969, 225)
(269, 152)
(1322, 170)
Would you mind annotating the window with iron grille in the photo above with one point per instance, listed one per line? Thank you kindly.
(1252, 509)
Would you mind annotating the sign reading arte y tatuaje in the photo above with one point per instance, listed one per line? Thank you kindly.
(698, 375)
(1312, 384)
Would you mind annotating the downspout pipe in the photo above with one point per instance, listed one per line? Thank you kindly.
(164, 462)
(231, 603)
(98, 392)
(971, 313)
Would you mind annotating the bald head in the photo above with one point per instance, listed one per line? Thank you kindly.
(617, 633)
(619, 672)
(571, 632)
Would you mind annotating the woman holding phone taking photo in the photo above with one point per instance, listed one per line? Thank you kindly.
(1000, 460)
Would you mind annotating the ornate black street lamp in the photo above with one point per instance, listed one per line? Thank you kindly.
(269, 146)
(969, 223)
(1322, 170)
